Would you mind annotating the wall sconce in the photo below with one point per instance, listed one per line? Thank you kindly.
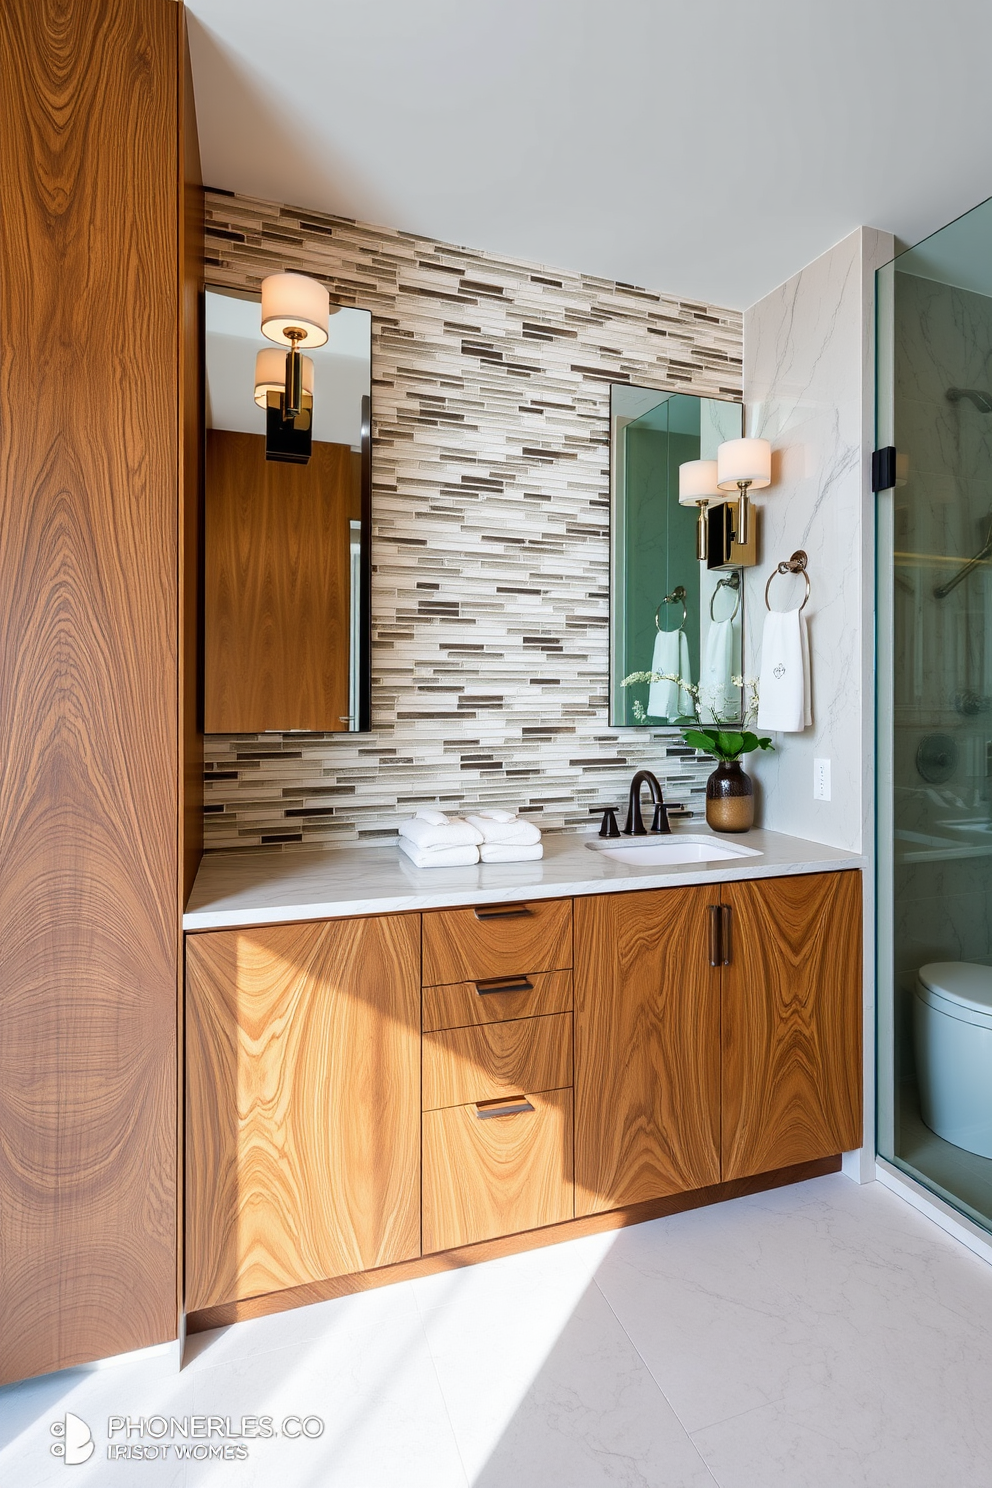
(270, 377)
(743, 464)
(295, 312)
(697, 486)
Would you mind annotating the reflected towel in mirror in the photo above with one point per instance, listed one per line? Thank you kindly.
(671, 655)
(717, 694)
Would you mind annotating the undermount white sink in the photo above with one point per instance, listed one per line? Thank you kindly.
(670, 851)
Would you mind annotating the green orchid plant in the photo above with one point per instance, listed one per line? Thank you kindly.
(720, 738)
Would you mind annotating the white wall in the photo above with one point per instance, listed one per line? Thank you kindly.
(809, 388)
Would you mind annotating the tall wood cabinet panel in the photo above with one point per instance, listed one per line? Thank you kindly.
(647, 1047)
(94, 131)
(791, 1021)
(303, 1104)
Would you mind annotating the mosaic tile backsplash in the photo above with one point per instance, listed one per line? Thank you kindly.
(490, 591)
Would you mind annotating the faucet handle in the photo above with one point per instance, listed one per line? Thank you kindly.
(609, 826)
(660, 822)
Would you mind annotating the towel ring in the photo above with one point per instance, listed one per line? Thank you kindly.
(734, 582)
(795, 565)
(677, 596)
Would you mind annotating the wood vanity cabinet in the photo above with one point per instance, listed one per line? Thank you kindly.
(497, 1071)
(647, 1047)
(791, 1021)
(370, 1091)
(303, 1104)
(717, 1034)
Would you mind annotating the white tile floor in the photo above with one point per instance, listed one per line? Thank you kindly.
(819, 1335)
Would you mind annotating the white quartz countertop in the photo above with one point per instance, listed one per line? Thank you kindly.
(261, 886)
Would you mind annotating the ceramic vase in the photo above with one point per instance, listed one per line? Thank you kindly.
(730, 798)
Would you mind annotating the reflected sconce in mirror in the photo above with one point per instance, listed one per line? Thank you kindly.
(270, 377)
(744, 465)
(697, 487)
(295, 313)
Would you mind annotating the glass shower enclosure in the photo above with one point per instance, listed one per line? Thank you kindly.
(934, 666)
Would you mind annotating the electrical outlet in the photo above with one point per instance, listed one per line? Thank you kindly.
(821, 780)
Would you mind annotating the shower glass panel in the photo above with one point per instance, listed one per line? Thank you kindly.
(935, 714)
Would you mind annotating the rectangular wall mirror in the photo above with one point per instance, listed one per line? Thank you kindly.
(287, 535)
(669, 612)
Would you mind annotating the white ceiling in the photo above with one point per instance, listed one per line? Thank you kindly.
(708, 148)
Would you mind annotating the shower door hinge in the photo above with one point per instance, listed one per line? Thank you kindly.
(883, 468)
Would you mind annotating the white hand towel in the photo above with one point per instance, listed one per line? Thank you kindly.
(783, 687)
(507, 852)
(671, 655)
(717, 694)
(429, 814)
(439, 857)
(453, 832)
(513, 831)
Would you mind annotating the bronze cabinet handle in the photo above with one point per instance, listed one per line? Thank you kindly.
(512, 1105)
(726, 935)
(504, 984)
(501, 911)
(716, 954)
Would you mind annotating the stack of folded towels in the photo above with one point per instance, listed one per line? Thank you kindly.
(433, 840)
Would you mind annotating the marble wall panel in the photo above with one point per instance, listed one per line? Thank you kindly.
(490, 590)
(808, 387)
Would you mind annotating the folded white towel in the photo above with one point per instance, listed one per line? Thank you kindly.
(439, 857)
(503, 827)
(784, 686)
(670, 657)
(507, 852)
(449, 832)
(716, 693)
(429, 814)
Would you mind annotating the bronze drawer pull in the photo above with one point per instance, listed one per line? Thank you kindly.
(501, 911)
(504, 984)
(726, 940)
(716, 955)
(720, 941)
(511, 1105)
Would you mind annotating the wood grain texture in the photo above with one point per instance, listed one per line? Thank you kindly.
(89, 722)
(460, 947)
(278, 584)
(647, 1048)
(190, 484)
(484, 1178)
(303, 1104)
(792, 1021)
(490, 1250)
(461, 1004)
(494, 1059)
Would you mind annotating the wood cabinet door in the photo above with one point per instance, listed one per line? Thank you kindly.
(303, 1104)
(647, 1047)
(791, 1021)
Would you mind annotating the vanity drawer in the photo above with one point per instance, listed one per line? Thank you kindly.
(496, 999)
(496, 1059)
(491, 940)
(496, 1170)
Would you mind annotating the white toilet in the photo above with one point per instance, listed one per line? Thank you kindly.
(952, 1026)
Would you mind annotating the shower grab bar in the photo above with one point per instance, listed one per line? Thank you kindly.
(941, 591)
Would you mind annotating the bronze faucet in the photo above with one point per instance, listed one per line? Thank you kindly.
(634, 826)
